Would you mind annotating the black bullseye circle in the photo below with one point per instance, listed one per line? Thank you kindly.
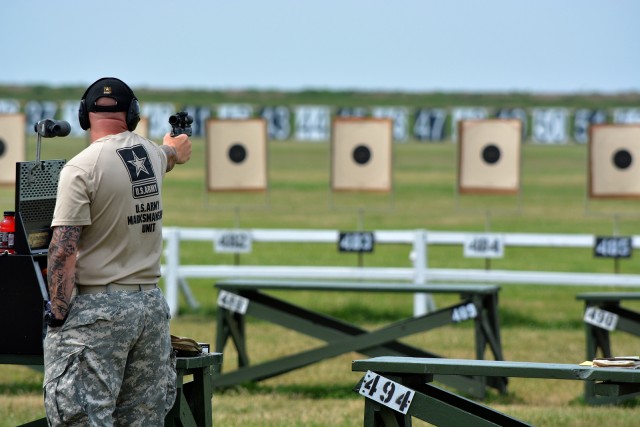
(622, 159)
(237, 153)
(491, 154)
(3, 147)
(361, 154)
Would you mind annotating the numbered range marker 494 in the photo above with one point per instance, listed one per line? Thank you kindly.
(387, 392)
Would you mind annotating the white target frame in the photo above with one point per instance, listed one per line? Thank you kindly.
(489, 156)
(13, 146)
(361, 154)
(614, 161)
(236, 155)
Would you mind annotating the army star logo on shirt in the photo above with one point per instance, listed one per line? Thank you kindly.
(140, 170)
(139, 164)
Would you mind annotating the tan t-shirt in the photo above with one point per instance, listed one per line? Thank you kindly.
(113, 190)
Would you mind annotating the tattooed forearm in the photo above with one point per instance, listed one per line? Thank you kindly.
(61, 267)
(172, 156)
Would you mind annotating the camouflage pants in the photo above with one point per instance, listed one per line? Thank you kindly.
(111, 363)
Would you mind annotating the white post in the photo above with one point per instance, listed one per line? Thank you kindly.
(171, 276)
(422, 303)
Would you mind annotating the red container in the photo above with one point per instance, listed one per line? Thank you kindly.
(8, 233)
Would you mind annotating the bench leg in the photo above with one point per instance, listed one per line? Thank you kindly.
(377, 415)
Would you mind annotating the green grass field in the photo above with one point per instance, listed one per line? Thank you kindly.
(539, 323)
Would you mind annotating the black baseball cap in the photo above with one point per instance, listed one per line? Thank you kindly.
(109, 87)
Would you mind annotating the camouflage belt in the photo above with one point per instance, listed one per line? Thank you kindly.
(112, 287)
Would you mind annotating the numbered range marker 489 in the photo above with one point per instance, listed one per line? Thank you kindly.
(387, 392)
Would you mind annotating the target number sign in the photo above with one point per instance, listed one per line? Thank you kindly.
(233, 302)
(464, 312)
(233, 241)
(484, 246)
(356, 241)
(612, 247)
(387, 392)
(601, 318)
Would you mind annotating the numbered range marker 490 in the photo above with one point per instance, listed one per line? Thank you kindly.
(389, 393)
(601, 318)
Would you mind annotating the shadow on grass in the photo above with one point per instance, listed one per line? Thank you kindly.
(355, 313)
(20, 387)
(359, 314)
(511, 318)
(301, 390)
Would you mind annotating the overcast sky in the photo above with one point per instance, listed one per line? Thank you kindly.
(412, 45)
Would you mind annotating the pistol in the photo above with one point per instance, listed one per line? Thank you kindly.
(180, 123)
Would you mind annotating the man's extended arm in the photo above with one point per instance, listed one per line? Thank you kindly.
(61, 268)
(177, 148)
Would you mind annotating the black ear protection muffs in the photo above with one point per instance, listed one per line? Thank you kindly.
(133, 109)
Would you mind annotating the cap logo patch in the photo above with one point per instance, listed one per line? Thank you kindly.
(107, 90)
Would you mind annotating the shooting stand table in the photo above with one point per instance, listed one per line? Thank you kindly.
(440, 407)
(238, 299)
(192, 407)
(604, 314)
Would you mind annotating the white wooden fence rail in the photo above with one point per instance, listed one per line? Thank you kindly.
(174, 273)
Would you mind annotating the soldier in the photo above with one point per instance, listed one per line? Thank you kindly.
(107, 352)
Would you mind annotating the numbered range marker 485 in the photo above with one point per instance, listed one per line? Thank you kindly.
(387, 392)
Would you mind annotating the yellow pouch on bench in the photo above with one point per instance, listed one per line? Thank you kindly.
(185, 347)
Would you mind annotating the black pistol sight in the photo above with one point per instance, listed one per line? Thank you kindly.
(181, 124)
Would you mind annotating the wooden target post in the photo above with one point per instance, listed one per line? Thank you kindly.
(13, 146)
(236, 162)
(614, 174)
(489, 160)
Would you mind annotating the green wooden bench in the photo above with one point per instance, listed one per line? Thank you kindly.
(238, 299)
(397, 388)
(603, 314)
(192, 407)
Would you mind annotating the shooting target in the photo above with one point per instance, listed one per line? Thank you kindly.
(361, 154)
(12, 146)
(489, 156)
(236, 155)
(614, 161)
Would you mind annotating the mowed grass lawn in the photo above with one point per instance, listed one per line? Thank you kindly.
(539, 323)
